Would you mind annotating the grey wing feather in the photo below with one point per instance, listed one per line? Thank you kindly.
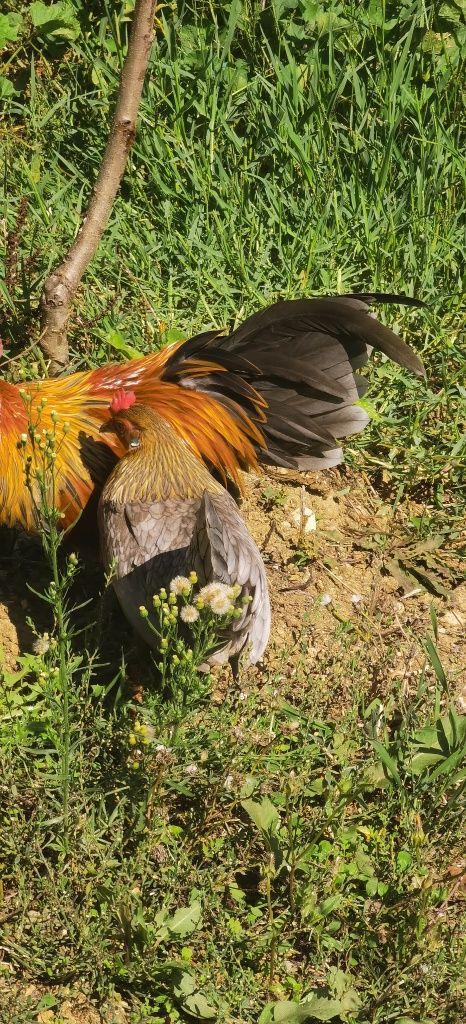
(222, 550)
(147, 544)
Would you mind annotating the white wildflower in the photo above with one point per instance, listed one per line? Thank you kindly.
(356, 598)
(41, 644)
(221, 604)
(208, 592)
(189, 613)
(180, 583)
(325, 599)
(217, 596)
(191, 769)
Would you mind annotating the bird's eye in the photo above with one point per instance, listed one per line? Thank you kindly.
(134, 442)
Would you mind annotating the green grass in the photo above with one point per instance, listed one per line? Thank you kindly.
(289, 150)
(276, 155)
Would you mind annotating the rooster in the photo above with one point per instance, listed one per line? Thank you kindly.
(162, 515)
(279, 390)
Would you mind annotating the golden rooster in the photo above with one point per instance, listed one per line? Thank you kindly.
(162, 515)
(280, 390)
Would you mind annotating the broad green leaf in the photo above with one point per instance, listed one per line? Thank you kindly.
(174, 334)
(315, 1008)
(185, 920)
(117, 341)
(57, 20)
(403, 860)
(263, 813)
(10, 25)
(364, 863)
(420, 762)
(194, 1003)
(197, 1006)
(372, 886)
(7, 88)
(185, 985)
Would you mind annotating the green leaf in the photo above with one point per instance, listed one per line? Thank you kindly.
(420, 762)
(364, 863)
(185, 920)
(264, 814)
(117, 341)
(6, 88)
(197, 1006)
(57, 20)
(194, 1003)
(403, 860)
(10, 25)
(387, 761)
(434, 659)
(174, 334)
(372, 886)
(315, 1008)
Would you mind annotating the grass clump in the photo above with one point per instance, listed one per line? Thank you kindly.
(261, 852)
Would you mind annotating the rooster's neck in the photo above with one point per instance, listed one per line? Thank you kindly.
(163, 467)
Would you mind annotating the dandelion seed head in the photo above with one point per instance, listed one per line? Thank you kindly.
(189, 613)
(221, 604)
(180, 583)
(41, 644)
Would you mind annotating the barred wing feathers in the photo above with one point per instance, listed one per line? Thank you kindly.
(149, 543)
(223, 550)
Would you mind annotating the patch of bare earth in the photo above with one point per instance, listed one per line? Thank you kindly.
(56, 1005)
(335, 600)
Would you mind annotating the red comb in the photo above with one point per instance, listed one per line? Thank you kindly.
(122, 400)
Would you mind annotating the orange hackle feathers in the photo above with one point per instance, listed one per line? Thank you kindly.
(283, 388)
(84, 456)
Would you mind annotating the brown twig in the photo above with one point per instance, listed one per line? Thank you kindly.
(61, 285)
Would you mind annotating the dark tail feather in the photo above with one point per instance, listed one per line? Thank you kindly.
(295, 363)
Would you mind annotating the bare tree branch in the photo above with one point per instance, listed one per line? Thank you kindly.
(61, 285)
